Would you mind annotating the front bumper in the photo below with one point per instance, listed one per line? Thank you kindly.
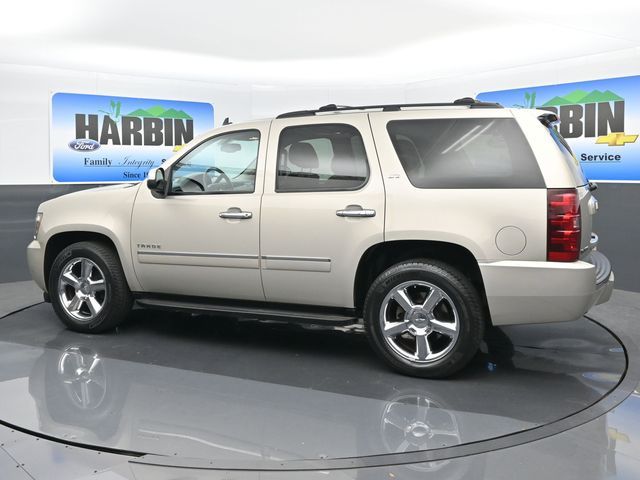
(541, 292)
(35, 260)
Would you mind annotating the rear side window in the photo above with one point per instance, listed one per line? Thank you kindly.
(465, 153)
(321, 157)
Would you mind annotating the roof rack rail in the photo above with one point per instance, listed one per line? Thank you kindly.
(332, 107)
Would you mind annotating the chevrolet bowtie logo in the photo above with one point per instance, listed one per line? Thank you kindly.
(617, 139)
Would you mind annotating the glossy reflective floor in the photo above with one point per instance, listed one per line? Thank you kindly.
(230, 390)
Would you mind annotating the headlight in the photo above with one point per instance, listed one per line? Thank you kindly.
(38, 222)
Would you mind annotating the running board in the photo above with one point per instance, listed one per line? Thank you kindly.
(290, 313)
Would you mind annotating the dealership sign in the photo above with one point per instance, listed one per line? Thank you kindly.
(600, 120)
(99, 139)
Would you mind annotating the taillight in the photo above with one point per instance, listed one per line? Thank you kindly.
(563, 225)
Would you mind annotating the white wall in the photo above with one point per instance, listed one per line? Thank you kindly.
(25, 98)
(616, 64)
(25, 102)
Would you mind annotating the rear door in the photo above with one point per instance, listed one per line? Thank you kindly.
(322, 207)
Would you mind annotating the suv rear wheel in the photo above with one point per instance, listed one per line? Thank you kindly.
(88, 288)
(424, 318)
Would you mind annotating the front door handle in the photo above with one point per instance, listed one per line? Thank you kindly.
(356, 211)
(236, 214)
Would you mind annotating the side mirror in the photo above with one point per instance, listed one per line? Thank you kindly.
(157, 183)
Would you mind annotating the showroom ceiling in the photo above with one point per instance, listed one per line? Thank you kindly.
(343, 42)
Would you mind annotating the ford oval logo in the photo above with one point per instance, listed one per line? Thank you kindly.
(84, 145)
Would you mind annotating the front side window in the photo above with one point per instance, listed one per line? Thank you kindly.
(224, 164)
(465, 153)
(321, 157)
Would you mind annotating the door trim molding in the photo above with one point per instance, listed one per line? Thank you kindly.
(295, 259)
(233, 255)
(266, 262)
(197, 254)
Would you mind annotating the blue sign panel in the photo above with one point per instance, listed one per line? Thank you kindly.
(100, 139)
(600, 120)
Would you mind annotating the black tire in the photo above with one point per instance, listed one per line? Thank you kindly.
(465, 299)
(117, 298)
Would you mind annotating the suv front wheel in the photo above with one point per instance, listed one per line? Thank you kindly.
(424, 318)
(88, 289)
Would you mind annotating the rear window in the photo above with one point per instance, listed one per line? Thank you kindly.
(569, 156)
(465, 153)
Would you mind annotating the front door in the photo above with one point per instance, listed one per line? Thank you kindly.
(322, 207)
(203, 238)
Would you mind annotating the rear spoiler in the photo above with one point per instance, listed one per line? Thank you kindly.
(549, 119)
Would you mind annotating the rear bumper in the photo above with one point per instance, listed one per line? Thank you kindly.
(604, 277)
(541, 292)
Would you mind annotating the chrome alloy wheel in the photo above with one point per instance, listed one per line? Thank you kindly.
(82, 289)
(419, 322)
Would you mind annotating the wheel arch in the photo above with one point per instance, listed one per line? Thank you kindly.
(60, 240)
(377, 258)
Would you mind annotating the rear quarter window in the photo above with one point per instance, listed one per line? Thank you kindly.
(465, 153)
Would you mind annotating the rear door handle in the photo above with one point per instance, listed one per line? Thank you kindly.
(236, 214)
(356, 211)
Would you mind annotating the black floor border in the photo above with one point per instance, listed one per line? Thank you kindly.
(21, 309)
(624, 388)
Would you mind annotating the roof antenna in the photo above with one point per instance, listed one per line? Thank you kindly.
(226, 121)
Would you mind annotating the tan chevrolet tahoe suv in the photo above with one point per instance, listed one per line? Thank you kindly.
(430, 222)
